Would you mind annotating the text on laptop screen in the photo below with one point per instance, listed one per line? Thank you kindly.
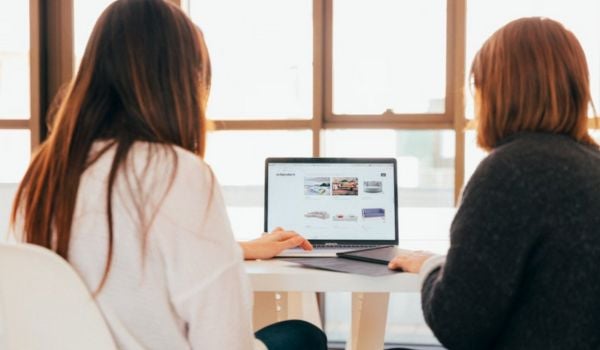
(332, 201)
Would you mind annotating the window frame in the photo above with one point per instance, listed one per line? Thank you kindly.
(52, 61)
(323, 117)
(31, 122)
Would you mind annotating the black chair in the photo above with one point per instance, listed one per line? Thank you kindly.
(293, 335)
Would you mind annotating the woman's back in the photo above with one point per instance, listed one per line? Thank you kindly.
(525, 243)
(183, 284)
(558, 297)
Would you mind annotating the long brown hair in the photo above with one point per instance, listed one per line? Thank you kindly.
(531, 75)
(145, 76)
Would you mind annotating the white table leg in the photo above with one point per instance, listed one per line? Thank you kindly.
(271, 307)
(369, 317)
(265, 309)
(304, 306)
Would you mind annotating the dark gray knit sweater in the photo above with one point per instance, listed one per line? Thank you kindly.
(523, 269)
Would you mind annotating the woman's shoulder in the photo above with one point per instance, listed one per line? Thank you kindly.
(538, 162)
(145, 157)
(153, 173)
(529, 146)
(512, 164)
(155, 165)
(160, 155)
(545, 153)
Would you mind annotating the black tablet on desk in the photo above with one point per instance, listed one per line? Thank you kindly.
(379, 255)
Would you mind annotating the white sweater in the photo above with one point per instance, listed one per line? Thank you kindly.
(179, 285)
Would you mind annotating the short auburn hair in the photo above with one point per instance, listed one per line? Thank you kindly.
(531, 75)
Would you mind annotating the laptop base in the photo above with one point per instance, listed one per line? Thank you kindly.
(319, 252)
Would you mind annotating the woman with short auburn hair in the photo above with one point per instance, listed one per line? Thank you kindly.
(522, 269)
(531, 76)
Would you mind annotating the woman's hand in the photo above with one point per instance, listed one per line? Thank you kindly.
(411, 261)
(271, 244)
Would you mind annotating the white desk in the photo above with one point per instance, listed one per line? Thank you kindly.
(284, 290)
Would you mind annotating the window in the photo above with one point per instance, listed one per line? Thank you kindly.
(15, 153)
(262, 63)
(85, 14)
(389, 56)
(15, 141)
(579, 16)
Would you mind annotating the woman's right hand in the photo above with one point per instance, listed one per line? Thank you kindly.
(271, 244)
(411, 261)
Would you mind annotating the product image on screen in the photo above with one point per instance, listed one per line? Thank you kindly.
(332, 201)
(373, 186)
(373, 213)
(317, 186)
(345, 186)
(323, 215)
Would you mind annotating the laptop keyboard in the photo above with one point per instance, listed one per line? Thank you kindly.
(349, 245)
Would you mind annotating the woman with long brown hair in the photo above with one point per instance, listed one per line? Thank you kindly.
(119, 190)
(523, 265)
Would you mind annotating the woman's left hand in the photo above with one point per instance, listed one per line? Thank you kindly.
(271, 244)
(411, 261)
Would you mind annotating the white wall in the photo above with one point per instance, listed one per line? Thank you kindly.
(7, 193)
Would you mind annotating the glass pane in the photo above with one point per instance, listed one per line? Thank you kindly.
(85, 14)
(425, 158)
(425, 177)
(580, 16)
(596, 135)
(389, 55)
(238, 160)
(14, 60)
(425, 196)
(261, 54)
(15, 151)
(7, 194)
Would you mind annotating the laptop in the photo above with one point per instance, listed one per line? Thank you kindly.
(338, 204)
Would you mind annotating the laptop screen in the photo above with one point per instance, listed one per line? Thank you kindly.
(333, 199)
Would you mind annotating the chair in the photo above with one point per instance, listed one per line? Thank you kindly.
(45, 305)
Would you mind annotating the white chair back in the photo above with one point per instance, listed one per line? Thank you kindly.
(44, 304)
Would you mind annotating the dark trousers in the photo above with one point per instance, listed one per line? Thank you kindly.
(293, 335)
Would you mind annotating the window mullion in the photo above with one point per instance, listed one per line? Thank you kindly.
(455, 78)
(320, 21)
(14, 124)
(52, 57)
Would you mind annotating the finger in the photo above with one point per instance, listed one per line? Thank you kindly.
(396, 263)
(291, 243)
(395, 266)
(283, 235)
(275, 235)
(306, 245)
(278, 228)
